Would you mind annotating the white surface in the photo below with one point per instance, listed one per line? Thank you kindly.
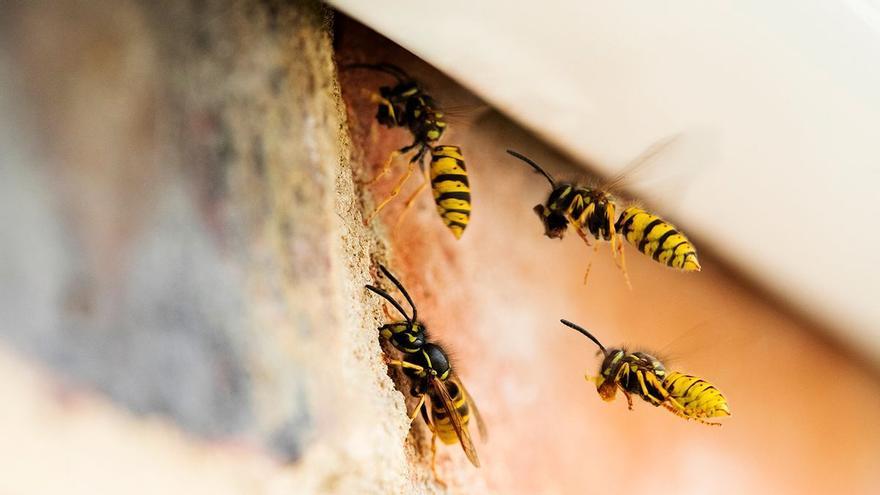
(790, 91)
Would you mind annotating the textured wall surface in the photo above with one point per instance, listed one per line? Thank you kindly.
(180, 236)
(182, 261)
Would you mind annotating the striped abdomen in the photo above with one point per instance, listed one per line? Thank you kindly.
(442, 423)
(697, 397)
(658, 239)
(452, 192)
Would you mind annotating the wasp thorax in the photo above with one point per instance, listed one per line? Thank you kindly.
(431, 359)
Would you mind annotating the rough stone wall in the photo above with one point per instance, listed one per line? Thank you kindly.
(181, 233)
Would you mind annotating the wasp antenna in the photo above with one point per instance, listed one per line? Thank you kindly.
(387, 68)
(402, 291)
(588, 334)
(390, 299)
(534, 166)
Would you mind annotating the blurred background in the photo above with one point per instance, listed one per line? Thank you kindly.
(183, 251)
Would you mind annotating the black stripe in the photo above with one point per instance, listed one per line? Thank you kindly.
(624, 228)
(647, 231)
(456, 224)
(456, 210)
(436, 158)
(672, 258)
(463, 178)
(462, 195)
(685, 256)
(669, 233)
(696, 381)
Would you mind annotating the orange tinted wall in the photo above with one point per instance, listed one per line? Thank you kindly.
(804, 411)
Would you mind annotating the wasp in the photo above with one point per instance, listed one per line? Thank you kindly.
(444, 403)
(592, 211)
(406, 104)
(641, 374)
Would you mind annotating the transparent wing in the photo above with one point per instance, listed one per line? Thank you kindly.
(481, 426)
(461, 431)
(639, 163)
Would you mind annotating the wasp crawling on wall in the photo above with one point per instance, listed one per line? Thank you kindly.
(407, 105)
(592, 211)
(444, 403)
(644, 375)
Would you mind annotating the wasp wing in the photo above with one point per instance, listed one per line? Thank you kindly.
(481, 426)
(639, 163)
(464, 437)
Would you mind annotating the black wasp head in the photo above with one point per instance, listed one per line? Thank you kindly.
(555, 223)
(393, 107)
(408, 337)
(388, 113)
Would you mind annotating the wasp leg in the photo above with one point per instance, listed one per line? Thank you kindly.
(682, 414)
(641, 379)
(404, 364)
(624, 370)
(379, 100)
(586, 238)
(674, 402)
(590, 264)
(394, 192)
(386, 167)
(619, 257)
(415, 413)
(434, 459)
(410, 201)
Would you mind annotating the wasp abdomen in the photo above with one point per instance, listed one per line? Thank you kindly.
(442, 422)
(658, 239)
(452, 192)
(697, 397)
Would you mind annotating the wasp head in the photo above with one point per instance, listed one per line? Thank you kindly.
(607, 388)
(555, 223)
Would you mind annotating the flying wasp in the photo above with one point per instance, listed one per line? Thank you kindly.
(644, 375)
(407, 105)
(444, 403)
(592, 212)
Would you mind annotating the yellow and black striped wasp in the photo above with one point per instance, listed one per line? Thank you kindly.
(406, 104)
(444, 403)
(592, 211)
(644, 375)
